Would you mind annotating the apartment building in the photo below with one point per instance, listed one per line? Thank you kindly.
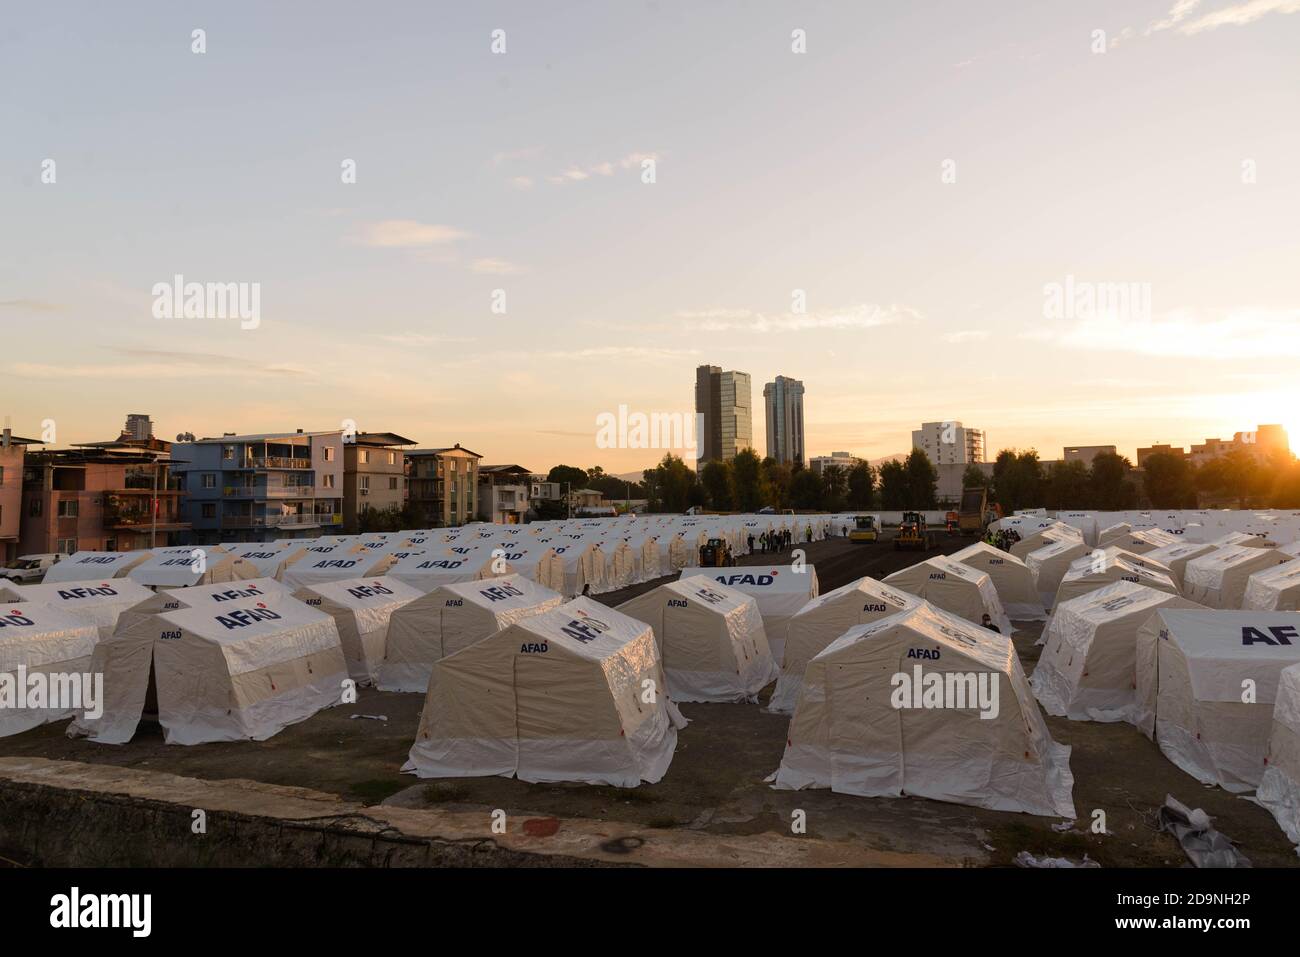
(374, 475)
(253, 488)
(1263, 443)
(845, 460)
(503, 493)
(443, 484)
(12, 451)
(949, 443)
(101, 496)
(1086, 453)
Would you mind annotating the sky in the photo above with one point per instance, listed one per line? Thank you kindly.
(618, 192)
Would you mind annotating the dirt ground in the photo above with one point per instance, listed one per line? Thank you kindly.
(716, 781)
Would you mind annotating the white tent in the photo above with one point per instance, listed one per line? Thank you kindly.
(1274, 589)
(824, 619)
(232, 670)
(1176, 556)
(44, 654)
(452, 617)
(184, 567)
(1195, 670)
(1087, 668)
(361, 609)
(557, 696)
(1011, 579)
(960, 589)
(1144, 540)
(780, 591)
(316, 568)
(1241, 538)
(96, 603)
(1103, 567)
(430, 570)
(85, 566)
(253, 589)
(1114, 534)
(1049, 564)
(1056, 532)
(1218, 580)
(710, 638)
(1279, 788)
(872, 720)
(269, 558)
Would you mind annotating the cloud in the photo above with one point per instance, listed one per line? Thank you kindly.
(861, 316)
(494, 267)
(32, 305)
(513, 156)
(1241, 334)
(967, 335)
(1239, 15)
(1188, 17)
(522, 182)
(577, 174)
(418, 339)
(407, 232)
(621, 352)
(156, 364)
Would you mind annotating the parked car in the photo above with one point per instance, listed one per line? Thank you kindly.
(30, 569)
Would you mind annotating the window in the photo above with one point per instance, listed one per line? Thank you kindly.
(327, 480)
(228, 453)
(365, 456)
(209, 510)
(365, 483)
(392, 483)
(68, 508)
(392, 458)
(67, 545)
(110, 545)
(329, 456)
(209, 480)
(34, 508)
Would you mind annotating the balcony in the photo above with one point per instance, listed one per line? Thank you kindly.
(266, 462)
(268, 491)
(279, 521)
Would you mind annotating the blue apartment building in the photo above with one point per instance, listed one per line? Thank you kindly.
(257, 488)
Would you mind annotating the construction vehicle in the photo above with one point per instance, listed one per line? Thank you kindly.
(911, 531)
(974, 509)
(716, 553)
(864, 529)
(951, 523)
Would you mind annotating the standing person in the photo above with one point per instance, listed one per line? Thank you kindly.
(751, 542)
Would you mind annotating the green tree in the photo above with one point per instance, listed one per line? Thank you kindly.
(1065, 485)
(1108, 478)
(894, 494)
(1017, 480)
(975, 477)
(1169, 481)
(862, 485)
(675, 485)
(922, 479)
(569, 475)
(805, 490)
(747, 486)
(716, 479)
(778, 476)
(835, 487)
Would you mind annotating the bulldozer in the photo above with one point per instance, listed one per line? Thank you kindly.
(716, 553)
(911, 531)
(864, 529)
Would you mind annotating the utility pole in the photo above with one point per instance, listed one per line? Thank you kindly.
(153, 509)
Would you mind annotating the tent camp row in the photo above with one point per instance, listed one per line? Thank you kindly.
(1194, 525)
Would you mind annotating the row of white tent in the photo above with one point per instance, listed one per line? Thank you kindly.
(334, 635)
(1193, 525)
(572, 557)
